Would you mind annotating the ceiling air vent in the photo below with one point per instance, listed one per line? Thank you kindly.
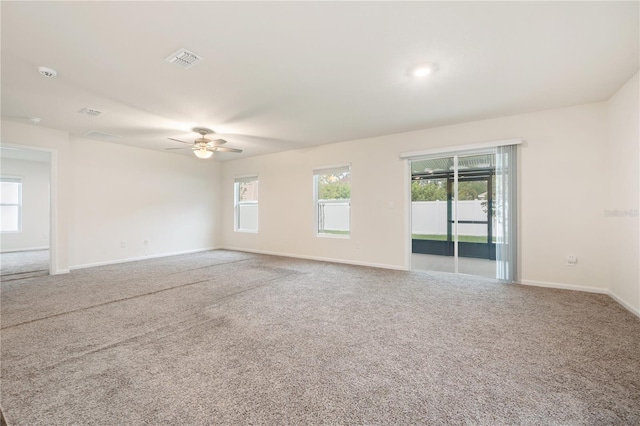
(184, 58)
(100, 135)
(91, 112)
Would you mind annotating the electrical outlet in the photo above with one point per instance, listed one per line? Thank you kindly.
(123, 244)
(146, 242)
(572, 260)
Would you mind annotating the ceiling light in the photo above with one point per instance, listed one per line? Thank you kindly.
(423, 70)
(47, 72)
(203, 152)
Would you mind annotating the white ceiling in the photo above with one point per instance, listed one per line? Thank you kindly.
(284, 75)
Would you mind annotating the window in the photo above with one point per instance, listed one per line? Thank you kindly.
(246, 204)
(332, 195)
(10, 204)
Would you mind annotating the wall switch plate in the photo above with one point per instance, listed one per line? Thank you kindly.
(123, 244)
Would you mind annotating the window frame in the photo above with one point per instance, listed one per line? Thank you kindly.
(19, 181)
(237, 203)
(317, 171)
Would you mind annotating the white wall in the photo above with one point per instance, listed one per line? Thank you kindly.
(559, 214)
(57, 142)
(104, 194)
(623, 202)
(35, 205)
(129, 195)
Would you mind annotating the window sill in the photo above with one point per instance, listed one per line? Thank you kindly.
(246, 231)
(338, 236)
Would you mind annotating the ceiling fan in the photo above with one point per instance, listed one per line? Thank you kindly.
(204, 147)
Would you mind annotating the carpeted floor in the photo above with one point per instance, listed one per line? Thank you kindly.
(226, 337)
(24, 264)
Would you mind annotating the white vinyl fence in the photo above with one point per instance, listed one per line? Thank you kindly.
(427, 217)
(248, 216)
(333, 215)
(430, 217)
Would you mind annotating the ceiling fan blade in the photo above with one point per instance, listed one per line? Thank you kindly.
(218, 142)
(224, 149)
(167, 149)
(178, 140)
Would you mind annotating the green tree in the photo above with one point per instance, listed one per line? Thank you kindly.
(436, 189)
(429, 190)
(471, 190)
(334, 186)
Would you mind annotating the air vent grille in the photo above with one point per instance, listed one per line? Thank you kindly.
(94, 134)
(90, 111)
(184, 58)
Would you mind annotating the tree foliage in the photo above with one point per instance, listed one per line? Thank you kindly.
(429, 190)
(334, 186)
(471, 190)
(247, 191)
(436, 189)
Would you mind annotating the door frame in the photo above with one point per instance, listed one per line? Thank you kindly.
(54, 238)
(443, 151)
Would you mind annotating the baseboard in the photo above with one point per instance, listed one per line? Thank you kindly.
(565, 286)
(135, 259)
(628, 307)
(61, 271)
(320, 259)
(573, 287)
(25, 249)
(350, 262)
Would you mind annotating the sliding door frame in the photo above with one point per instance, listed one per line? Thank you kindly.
(450, 151)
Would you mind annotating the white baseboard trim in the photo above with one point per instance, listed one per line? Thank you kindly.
(574, 287)
(561, 286)
(320, 259)
(135, 259)
(628, 307)
(565, 286)
(25, 249)
(61, 271)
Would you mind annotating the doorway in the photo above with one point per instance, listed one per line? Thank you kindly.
(463, 213)
(25, 207)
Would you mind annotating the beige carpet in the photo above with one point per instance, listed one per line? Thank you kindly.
(234, 338)
(24, 264)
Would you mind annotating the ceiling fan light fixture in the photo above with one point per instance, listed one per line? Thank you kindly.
(204, 147)
(203, 152)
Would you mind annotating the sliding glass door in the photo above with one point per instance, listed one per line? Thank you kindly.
(460, 214)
